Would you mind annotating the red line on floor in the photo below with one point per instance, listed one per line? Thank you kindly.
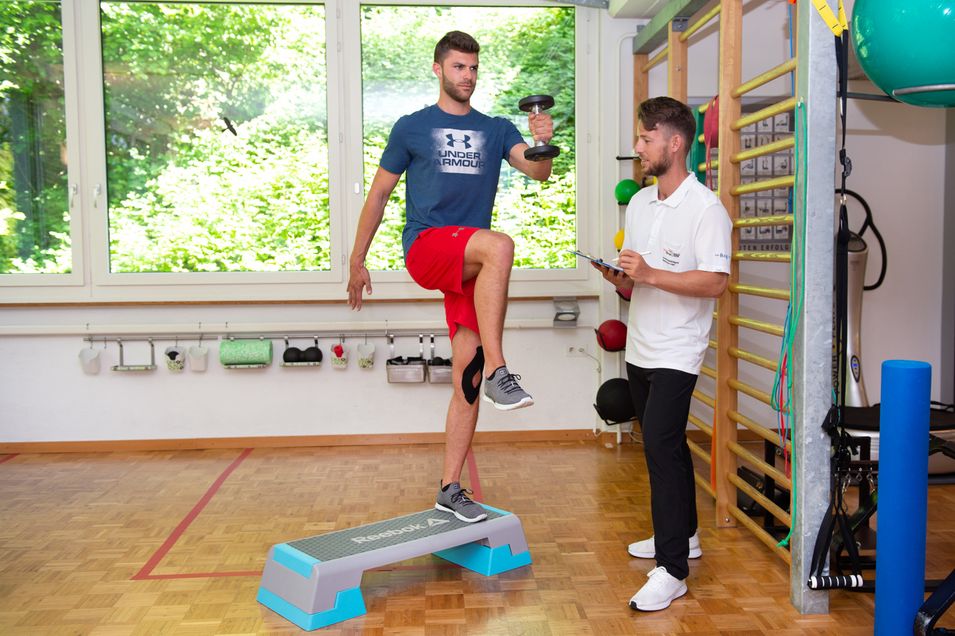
(195, 575)
(473, 476)
(7, 458)
(146, 571)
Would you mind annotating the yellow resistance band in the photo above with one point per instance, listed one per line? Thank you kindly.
(837, 25)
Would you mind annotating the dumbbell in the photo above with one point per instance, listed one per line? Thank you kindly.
(537, 104)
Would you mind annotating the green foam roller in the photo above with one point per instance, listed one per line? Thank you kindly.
(245, 352)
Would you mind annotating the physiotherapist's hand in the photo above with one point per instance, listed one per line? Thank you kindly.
(618, 279)
(635, 267)
(358, 280)
(541, 126)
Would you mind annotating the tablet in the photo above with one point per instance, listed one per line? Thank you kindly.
(598, 261)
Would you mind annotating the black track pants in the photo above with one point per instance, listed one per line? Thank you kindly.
(661, 398)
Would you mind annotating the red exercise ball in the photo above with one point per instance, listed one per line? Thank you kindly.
(612, 335)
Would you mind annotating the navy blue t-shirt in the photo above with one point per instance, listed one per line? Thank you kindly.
(453, 164)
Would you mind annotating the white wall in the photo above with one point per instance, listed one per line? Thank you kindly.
(947, 376)
(898, 166)
(46, 396)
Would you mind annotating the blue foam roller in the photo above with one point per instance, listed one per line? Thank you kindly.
(903, 495)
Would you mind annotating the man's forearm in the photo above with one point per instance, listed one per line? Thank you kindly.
(696, 283)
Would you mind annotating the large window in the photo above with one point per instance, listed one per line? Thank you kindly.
(215, 150)
(34, 206)
(524, 51)
(216, 137)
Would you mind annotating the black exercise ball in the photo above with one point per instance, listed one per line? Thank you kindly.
(292, 354)
(312, 354)
(613, 402)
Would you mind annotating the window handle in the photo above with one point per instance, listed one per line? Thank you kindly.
(97, 191)
(74, 190)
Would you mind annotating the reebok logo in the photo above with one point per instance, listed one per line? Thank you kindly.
(409, 528)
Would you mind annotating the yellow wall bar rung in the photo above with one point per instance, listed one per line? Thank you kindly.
(761, 499)
(766, 257)
(656, 59)
(764, 78)
(764, 292)
(704, 484)
(709, 372)
(769, 471)
(761, 534)
(751, 391)
(766, 363)
(704, 398)
(700, 424)
(757, 325)
(697, 450)
(763, 431)
(757, 221)
(766, 149)
(763, 185)
(699, 24)
(779, 107)
(714, 164)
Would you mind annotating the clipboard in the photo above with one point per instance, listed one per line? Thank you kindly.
(598, 261)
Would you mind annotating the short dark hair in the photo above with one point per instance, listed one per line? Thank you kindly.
(455, 41)
(670, 113)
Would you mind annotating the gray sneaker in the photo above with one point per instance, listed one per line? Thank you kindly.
(503, 391)
(455, 500)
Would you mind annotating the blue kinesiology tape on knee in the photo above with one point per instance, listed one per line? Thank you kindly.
(474, 369)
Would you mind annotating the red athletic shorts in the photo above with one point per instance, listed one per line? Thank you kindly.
(436, 261)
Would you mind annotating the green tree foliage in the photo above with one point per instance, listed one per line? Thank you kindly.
(34, 215)
(255, 202)
(524, 51)
(218, 153)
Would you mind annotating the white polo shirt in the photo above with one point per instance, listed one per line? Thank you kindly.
(689, 230)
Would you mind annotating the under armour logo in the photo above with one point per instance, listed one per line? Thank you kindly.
(452, 141)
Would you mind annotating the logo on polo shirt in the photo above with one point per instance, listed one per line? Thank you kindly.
(459, 151)
(671, 256)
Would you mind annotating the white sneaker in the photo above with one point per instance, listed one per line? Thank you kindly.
(647, 550)
(658, 592)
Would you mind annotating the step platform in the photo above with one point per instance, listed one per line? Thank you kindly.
(315, 582)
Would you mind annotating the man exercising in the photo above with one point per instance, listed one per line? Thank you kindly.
(452, 155)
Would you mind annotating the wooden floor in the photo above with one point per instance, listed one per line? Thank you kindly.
(173, 543)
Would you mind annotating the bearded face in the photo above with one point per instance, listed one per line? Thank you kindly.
(458, 75)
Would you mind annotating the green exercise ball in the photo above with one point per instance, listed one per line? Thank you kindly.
(905, 45)
(625, 191)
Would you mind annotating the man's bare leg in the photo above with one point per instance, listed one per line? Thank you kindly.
(489, 257)
(459, 428)
(462, 415)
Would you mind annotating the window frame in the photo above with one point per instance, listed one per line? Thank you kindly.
(76, 276)
(92, 282)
